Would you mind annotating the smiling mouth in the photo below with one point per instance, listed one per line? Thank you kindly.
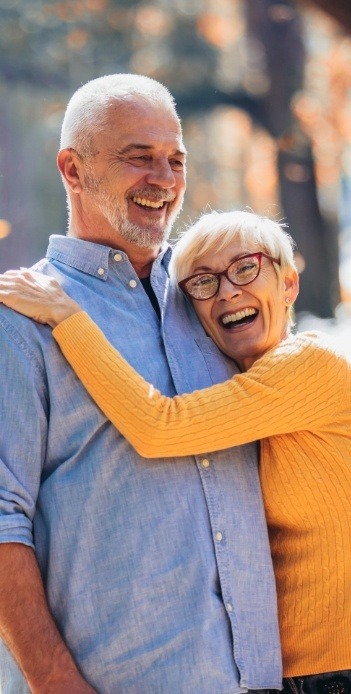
(244, 317)
(144, 202)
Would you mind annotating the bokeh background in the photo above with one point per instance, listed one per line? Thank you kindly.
(264, 92)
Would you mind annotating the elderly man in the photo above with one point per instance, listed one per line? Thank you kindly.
(116, 575)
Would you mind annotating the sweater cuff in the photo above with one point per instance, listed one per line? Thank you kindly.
(65, 331)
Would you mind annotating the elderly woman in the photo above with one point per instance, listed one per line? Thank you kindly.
(293, 393)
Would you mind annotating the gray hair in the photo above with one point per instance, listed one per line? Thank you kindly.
(87, 109)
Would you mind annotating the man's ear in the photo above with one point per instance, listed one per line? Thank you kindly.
(70, 167)
(291, 286)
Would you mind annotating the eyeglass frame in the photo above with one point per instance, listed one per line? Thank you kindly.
(224, 273)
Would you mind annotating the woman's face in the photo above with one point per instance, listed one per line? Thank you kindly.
(245, 321)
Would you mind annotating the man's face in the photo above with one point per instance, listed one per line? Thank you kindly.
(136, 180)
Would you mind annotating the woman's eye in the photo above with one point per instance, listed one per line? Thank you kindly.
(204, 281)
(247, 268)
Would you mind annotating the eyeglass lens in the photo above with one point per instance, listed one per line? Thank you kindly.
(240, 272)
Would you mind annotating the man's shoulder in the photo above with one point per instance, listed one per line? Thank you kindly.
(22, 341)
(19, 331)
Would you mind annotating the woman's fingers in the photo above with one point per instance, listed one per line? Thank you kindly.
(28, 293)
(20, 280)
(36, 296)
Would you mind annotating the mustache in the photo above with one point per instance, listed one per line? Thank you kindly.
(154, 194)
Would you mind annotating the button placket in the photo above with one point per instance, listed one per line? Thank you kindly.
(205, 466)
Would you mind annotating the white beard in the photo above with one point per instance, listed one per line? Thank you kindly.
(115, 211)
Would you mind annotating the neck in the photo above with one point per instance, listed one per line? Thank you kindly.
(142, 262)
(245, 363)
(140, 258)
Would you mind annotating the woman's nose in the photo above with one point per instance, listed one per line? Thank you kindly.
(227, 290)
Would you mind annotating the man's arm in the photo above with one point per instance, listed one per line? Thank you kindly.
(28, 629)
(26, 624)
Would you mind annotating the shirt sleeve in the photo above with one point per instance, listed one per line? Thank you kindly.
(23, 426)
(296, 386)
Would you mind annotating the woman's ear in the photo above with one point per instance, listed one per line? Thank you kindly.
(291, 286)
(70, 166)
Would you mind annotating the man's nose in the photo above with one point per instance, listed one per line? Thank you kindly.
(227, 290)
(161, 174)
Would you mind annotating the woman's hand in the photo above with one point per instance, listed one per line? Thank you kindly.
(36, 296)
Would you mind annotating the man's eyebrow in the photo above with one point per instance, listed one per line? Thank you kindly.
(136, 145)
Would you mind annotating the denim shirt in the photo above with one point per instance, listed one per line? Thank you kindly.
(158, 572)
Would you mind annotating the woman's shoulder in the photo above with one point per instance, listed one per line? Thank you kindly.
(318, 339)
(314, 345)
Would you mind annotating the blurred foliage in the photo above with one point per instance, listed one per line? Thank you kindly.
(64, 43)
(263, 89)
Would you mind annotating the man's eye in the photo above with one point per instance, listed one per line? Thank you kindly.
(177, 164)
(142, 158)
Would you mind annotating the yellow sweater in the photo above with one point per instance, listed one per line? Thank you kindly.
(297, 399)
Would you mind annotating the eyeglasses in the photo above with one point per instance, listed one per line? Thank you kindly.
(205, 285)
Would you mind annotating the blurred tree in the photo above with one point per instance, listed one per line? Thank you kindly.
(278, 58)
(324, 112)
(338, 9)
(238, 71)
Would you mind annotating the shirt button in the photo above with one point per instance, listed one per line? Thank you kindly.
(219, 537)
(101, 271)
(205, 463)
(229, 607)
(117, 257)
(133, 284)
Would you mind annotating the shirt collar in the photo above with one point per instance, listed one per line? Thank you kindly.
(91, 258)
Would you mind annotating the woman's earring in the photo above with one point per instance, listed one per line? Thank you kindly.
(287, 300)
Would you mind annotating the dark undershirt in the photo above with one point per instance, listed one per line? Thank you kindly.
(145, 281)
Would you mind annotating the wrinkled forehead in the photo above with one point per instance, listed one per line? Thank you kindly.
(141, 121)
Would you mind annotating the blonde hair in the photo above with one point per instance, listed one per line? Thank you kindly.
(217, 230)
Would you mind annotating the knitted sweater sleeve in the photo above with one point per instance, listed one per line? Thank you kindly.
(299, 385)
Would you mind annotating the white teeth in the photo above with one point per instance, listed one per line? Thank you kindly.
(239, 315)
(148, 203)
